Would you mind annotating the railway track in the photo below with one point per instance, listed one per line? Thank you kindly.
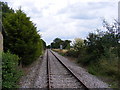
(59, 75)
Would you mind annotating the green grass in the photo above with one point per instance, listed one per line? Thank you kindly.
(106, 68)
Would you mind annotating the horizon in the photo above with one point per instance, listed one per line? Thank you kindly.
(67, 19)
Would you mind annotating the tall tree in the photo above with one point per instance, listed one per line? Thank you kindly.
(22, 38)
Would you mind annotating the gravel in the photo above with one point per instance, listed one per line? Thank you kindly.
(89, 80)
(36, 78)
(41, 79)
(59, 75)
(59, 78)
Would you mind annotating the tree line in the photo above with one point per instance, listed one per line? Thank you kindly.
(57, 42)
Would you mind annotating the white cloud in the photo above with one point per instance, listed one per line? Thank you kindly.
(67, 19)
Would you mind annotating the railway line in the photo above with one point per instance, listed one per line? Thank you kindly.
(54, 71)
(59, 75)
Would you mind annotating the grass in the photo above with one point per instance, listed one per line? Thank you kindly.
(106, 69)
(61, 52)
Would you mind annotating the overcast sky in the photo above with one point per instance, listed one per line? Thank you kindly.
(67, 19)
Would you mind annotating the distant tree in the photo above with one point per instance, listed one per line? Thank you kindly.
(52, 45)
(57, 42)
(78, 43)
(44, 44)
(48, 47)
(66, 44)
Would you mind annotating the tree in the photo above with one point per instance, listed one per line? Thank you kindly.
(44, 44)
(78, 44)
(57, 42)
(22, 38)
(102, 43)
(66, 44)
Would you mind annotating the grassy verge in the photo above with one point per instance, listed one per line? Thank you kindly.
(61, 52)
(106, 70)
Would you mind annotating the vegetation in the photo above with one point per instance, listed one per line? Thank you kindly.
(10, 71)
(100, 52)
(44, 44)
(61, 51)
(77, 46)
(21, 38)
(57, 42)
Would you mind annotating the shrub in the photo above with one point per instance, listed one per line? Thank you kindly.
(94, 68)
(109, 65)
(72, 53)
(10, 71)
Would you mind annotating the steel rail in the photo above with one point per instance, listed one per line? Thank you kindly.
(48, 71)
(69, 70)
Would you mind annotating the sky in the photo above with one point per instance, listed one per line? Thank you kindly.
(67, 19)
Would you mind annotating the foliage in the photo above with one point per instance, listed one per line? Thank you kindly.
(44, 44)
(61, 52)
(101, 44)
(78, 43)
(72, 53)
(66, 44)
(10, 70)
(48, 46)
(22, 38)
(5, 9)
(100, 51)
(57, 42)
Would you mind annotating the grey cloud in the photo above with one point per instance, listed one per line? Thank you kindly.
(99, 5)
(85, 11)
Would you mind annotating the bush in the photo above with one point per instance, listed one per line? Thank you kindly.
(110, 66)
(85, 58)
(72, 53)
(32, 54)
(10, 71)
(94, 68)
